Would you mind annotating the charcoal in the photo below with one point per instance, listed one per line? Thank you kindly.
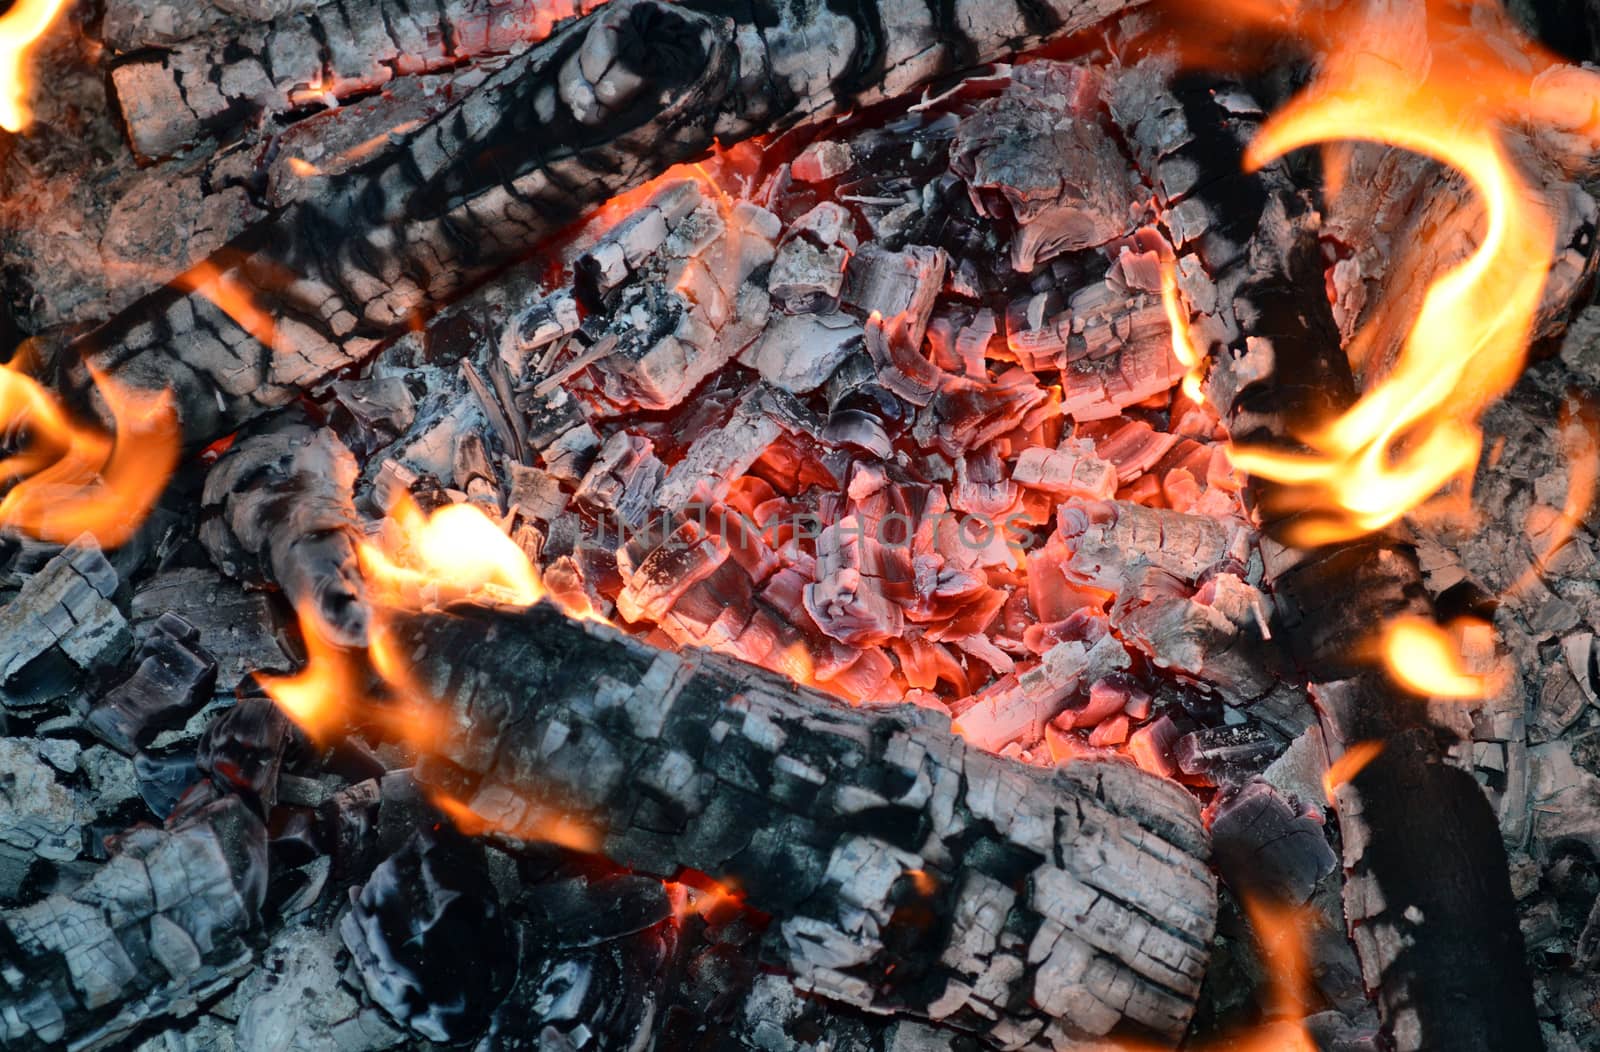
(295, 999)
(345, 824)
(580, 912)
(62, 624)
(1228, 754)
(370, 414)
(282, 503)
(1264, 846)
(158, 926)
(237, 627)
(652, 753)
(428, 940)
(41, 820)
(173, 678)
(242, 750)
(164, 778)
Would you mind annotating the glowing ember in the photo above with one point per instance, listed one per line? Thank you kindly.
(1183, 347)
(1346, 767)
(1416, 429)
(20, 28)
(75, 478)
(1424, 658)
(521, 821)
(455, 552)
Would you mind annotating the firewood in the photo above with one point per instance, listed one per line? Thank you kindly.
(687, 759)
(475, 188)
(208, 83)
(158, 927)
(282, 504)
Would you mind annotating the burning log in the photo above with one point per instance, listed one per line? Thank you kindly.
(688, 760)
(618, 96)
(1292, 370)
(282, 498)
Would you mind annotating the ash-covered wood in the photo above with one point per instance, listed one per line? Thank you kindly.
(210, 82)
(603, 104)
(282, 510)
(831, 820)
(157, 927)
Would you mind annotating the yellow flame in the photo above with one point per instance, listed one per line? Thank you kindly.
(455, 552)
(20, 28)
(1422, 657)
(1183, 347)
(1417, 429)
(236, 300)
(75, 478)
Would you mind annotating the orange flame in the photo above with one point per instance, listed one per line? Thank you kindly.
(1347, 766)
(20, 28)
(455, 552)
(76, 479)
(1183, 347)
(320, 696)
(1282, 933)
(1424, 658)
(1416, 429)
(533, 824)
(231, 298)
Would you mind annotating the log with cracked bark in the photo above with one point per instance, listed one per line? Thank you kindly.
(612, 99)
(1434, 843)
(172, 94)
(1074, 901)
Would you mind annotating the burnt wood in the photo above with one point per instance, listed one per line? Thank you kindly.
(599, 107)
(1054, 905)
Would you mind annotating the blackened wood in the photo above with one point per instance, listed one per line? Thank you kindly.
(1058, 904)
(609, 101)
(208, 84)
(1410, 844)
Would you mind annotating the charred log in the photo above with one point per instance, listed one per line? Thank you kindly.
(626, 92)
(837, 822)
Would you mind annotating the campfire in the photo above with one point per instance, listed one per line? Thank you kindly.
(639, 525)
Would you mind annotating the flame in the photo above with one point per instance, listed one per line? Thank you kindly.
(321, 695)
(75, 478)
(303, 168)
(1183, 347)
(231, 298)
(1580, 441)
(701, 896)
(455, 552)
(1347, 766)
(1416, 429)
(20, 29)
(1282, 934)
(536, 824)
(1422, 657)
